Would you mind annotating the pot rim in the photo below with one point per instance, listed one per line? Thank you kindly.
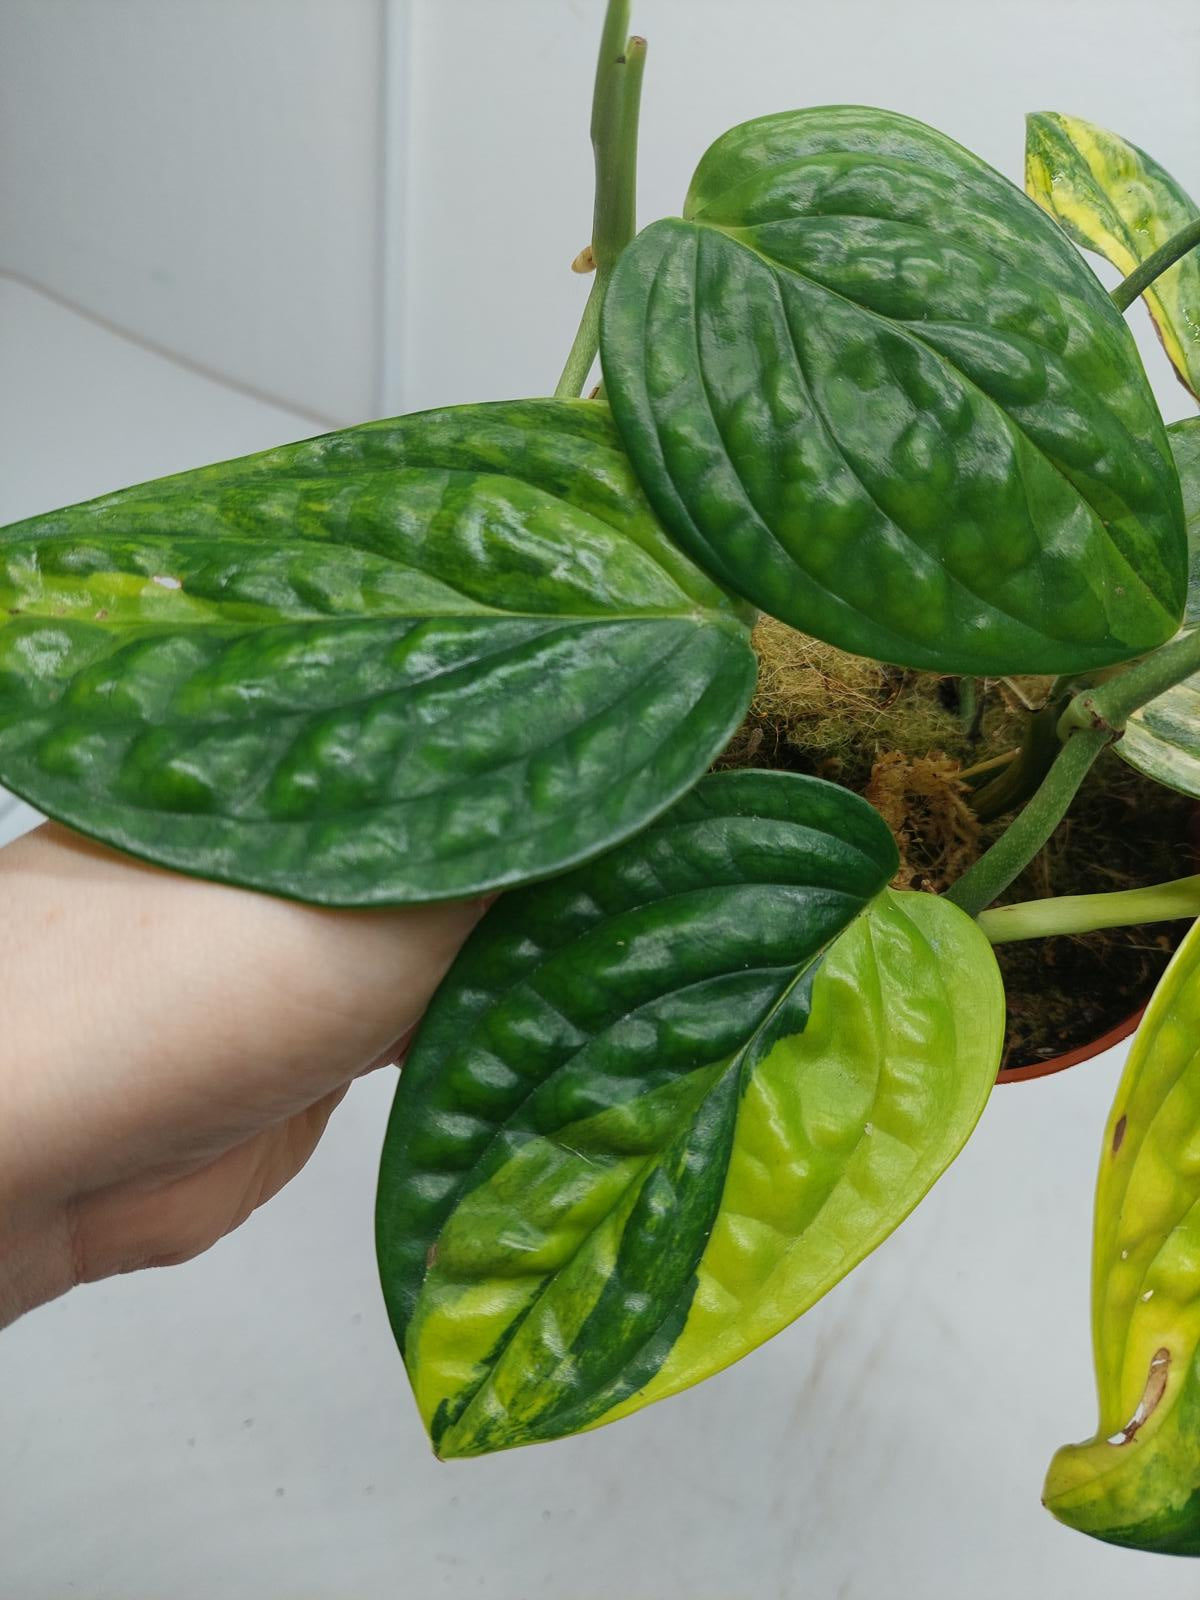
(1072, 1058)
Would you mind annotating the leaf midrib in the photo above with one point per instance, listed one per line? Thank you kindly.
(734, 1063)
(469, 612)
(179, 490)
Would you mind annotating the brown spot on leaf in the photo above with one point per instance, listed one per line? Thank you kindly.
(1118, 1135)
(431, 1255)
(1156, 1384)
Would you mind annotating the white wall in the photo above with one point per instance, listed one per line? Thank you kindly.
(207, 174)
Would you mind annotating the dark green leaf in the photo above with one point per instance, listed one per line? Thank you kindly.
(406, 662)
(870, 386)
(661, 1105)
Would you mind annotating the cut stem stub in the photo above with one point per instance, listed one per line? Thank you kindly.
(616, 106)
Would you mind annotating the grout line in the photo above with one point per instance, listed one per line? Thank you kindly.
(186, 363)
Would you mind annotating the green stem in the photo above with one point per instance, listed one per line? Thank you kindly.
(1108, 707)
(1013, 852)
(974, 776)
(1140, 279)
(1020, 779)
(1083, 913)
(583, 350)
(968, 703)
(616, 105)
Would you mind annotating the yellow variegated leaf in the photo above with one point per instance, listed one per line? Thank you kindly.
(1114, 199)
(1137, 1481)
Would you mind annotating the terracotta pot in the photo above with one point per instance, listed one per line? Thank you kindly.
(1072, 1058)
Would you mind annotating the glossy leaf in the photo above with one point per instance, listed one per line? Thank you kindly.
(870, 386)
(1162, 739)
(405, 662)
(1137, 1482)
(1114, 199)
(660, 1106)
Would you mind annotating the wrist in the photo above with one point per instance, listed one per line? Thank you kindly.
(35, 1248)
(35, 1255)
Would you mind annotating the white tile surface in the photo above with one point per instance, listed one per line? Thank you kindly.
(83, 411)
(206, 173)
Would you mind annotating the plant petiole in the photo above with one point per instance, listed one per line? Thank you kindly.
(1084, 913)
(1020, 778)
(585, 344)
(1014, 850)
(1165, 257)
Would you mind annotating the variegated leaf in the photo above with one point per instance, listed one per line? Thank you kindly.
(662, 1105)
(1114, 199)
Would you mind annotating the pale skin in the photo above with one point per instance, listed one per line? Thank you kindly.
(174, 1049)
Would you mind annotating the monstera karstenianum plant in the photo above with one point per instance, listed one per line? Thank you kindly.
(702, 1058)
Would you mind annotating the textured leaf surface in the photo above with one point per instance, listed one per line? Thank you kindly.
(1114, 199)
(870, 386)
(1138, 1481)
(1162, 738)
(404, 662)
(663, 1104)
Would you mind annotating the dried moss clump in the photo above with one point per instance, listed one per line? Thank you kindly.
(923, 801)
(889, 734)
(817, 709)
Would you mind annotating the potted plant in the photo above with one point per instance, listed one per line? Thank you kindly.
(719, 1034)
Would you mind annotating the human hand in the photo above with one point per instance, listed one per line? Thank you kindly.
(174, 1050)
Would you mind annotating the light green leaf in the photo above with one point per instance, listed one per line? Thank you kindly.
(1137, 1482)
(1114, 199)
(870, 386)
(660, 1106)
(405, 662)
